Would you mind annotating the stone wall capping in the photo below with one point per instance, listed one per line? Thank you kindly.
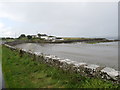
(24, 50)
(70, 62)
(55, 58)
(49, 56)
(92, 66)
(112, 73)
(11, 47)
(30, 52)
(80, 64)
(67, 59)
(62, 60)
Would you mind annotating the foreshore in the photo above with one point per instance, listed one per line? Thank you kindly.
(103, 54)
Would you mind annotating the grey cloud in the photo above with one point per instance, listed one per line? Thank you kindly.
(66, 19)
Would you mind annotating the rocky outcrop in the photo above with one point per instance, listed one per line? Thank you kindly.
(82, 68)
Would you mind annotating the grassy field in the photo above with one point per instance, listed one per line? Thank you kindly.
(89, 40)
(24, 72)
(75, 38)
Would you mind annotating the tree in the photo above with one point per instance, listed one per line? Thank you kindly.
(39, 35)
(29, 37)
(22, 36)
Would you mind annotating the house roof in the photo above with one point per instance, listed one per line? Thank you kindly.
(58, 38)
(51, 36)
(43, 35)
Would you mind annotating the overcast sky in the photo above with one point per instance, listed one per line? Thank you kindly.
(76, 19)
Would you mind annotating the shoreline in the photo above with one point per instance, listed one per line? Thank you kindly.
(23, 42)
(89, 41)
(102, 54)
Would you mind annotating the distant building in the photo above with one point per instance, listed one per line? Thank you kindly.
(44, 36)
(51, 38)
(34, 36)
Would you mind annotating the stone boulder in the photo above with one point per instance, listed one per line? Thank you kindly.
(110, 73)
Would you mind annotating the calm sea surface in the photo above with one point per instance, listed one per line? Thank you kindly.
(105, 54)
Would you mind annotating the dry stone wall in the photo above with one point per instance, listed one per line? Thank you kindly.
(84, 69)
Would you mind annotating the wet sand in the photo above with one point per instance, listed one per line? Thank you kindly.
(104, 54)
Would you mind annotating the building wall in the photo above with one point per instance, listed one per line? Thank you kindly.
(44, 37)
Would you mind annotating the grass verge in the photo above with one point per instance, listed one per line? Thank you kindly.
(23, 72)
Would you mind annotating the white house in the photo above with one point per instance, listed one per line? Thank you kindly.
(34, 36)
(44, 36)
(51, 38)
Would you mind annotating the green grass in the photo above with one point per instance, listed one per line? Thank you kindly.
(75, 38)
(93, 42)
(9, 40)
(23, 72)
